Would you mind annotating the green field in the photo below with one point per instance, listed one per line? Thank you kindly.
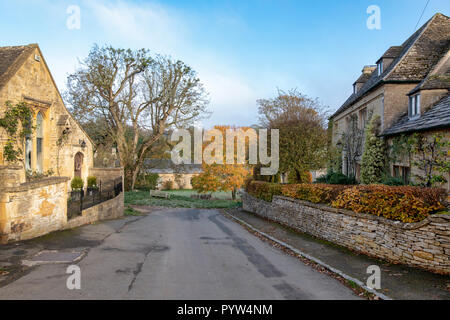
(181, 199)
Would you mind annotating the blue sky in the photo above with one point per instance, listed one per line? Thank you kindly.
(243, 50)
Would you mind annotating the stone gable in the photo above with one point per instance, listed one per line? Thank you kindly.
(33, 83)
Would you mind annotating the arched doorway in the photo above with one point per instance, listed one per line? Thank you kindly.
(78, 164)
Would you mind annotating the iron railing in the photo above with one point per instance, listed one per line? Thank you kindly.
(86, 198)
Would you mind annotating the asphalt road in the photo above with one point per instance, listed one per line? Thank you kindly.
(181, 254)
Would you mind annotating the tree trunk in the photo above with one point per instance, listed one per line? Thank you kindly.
(134, 177)
(233, 193)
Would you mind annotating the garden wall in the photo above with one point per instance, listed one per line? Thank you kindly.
(425, 244)
(111, 209)
(107, 174)
(32, 209)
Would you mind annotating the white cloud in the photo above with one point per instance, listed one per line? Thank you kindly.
(233, 100)
(166, 31)
(144, 25)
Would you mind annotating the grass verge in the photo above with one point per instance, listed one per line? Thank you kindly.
(182, 199)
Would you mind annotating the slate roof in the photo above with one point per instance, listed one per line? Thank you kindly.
(418, 54)
(11, 58)
(363, 78)
(436, 117)
(163, 166)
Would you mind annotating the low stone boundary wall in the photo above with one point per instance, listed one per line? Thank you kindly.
(111, 209)
(425, 244)
(106, 174)
(33, 209)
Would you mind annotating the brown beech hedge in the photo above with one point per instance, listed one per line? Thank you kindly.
(406, 204)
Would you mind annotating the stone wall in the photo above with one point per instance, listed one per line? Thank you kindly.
(180, 181)
(425, 244)
(111, 209)
(33, 209)
(106, 174)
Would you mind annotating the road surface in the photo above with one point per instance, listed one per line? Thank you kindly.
(181, 254)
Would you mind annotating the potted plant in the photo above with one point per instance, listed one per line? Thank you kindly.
(92, 187)
(77, 188)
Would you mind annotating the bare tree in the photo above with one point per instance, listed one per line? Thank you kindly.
(138, 97)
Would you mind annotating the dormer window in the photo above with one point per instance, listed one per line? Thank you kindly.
(355, 89)
(380, 67)
(414, 106)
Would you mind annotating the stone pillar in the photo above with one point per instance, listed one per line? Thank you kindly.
(11, 176)
(5, 226)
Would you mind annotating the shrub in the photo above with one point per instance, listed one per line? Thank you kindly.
(34, 175)
(315, 193)
(303, 177)
(392, 181)
(263, 190)
(336, 178)
(92, 182)
(406, 204)
(168, 185)
(147, 182)
(373, 158)
(76, 184)
(325, 178)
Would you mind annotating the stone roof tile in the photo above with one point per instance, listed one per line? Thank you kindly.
(418, 54)
(11, 58)
(437, 116)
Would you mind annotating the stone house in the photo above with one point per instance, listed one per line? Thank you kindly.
(34, 191)
(180, 175)
(58, 143)
(407, 88)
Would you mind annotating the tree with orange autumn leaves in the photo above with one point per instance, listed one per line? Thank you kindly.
(222, 177)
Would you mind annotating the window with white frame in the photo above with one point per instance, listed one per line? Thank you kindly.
(414, 106)
(380, 67)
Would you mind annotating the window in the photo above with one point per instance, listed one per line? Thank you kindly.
(355, 89)
(402, 173)
(39, 142)
(380, 67)
(363, 118)
(28, 149)
(414, 106)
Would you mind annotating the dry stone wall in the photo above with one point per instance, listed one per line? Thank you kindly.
(425, 244)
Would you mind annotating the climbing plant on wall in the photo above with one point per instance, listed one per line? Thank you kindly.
(17, 122)
(428, 153)
(374, 157)
(352, 141)
(62, 139)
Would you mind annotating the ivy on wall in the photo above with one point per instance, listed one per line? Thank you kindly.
(17, 122)
(428, 153)
(373, 163)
